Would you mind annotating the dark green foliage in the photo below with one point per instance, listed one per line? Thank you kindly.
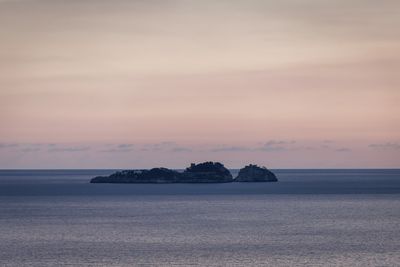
(207, 172)
(254, 173)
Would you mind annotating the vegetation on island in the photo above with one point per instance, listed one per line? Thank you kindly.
(206, 172)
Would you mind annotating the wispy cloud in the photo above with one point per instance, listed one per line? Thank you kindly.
(164, 146)
(277, 145)
(343, 149)
(173, 147)
(327, 144)
(7, 145)
(69, 149)
(155, 147)
(118, 148)
(385, 146)
(226, 148)
(269, 146)
(181, 149)
(125, 146)
(31, 149)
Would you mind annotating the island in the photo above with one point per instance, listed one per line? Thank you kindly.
(254, 173)
(206, 172)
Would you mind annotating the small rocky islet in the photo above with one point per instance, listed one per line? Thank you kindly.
(206, 172)
(253, 173)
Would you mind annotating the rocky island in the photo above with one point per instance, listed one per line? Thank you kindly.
(254, 173)
(155, 175)
(207, 172)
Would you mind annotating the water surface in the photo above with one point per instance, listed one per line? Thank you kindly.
(309, 218)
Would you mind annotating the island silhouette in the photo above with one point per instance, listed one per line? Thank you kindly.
(206, 172)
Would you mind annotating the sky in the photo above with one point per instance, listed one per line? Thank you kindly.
(139, 84)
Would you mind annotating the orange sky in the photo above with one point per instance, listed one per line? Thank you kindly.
(118, 84)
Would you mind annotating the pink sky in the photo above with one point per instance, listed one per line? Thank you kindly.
(131, 84)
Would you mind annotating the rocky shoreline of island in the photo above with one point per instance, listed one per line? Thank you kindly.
(206, 172)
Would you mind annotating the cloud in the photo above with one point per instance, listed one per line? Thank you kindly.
(119, 148)
(281, 142)
(156, 147)
(31, 149)
(181, 149)
(36, 147)
(124, 146)
(269, 146)
(225, 148)
(327, 144)
(343, 149)
(274, 145)
(385, 146)
(4, 145)
(272, 148)
(69, 149)
(162, 146)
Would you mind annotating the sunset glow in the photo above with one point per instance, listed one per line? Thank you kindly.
(164, 83)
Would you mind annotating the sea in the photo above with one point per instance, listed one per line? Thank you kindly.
(314, 217)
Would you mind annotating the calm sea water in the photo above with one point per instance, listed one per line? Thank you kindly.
(308, 218)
